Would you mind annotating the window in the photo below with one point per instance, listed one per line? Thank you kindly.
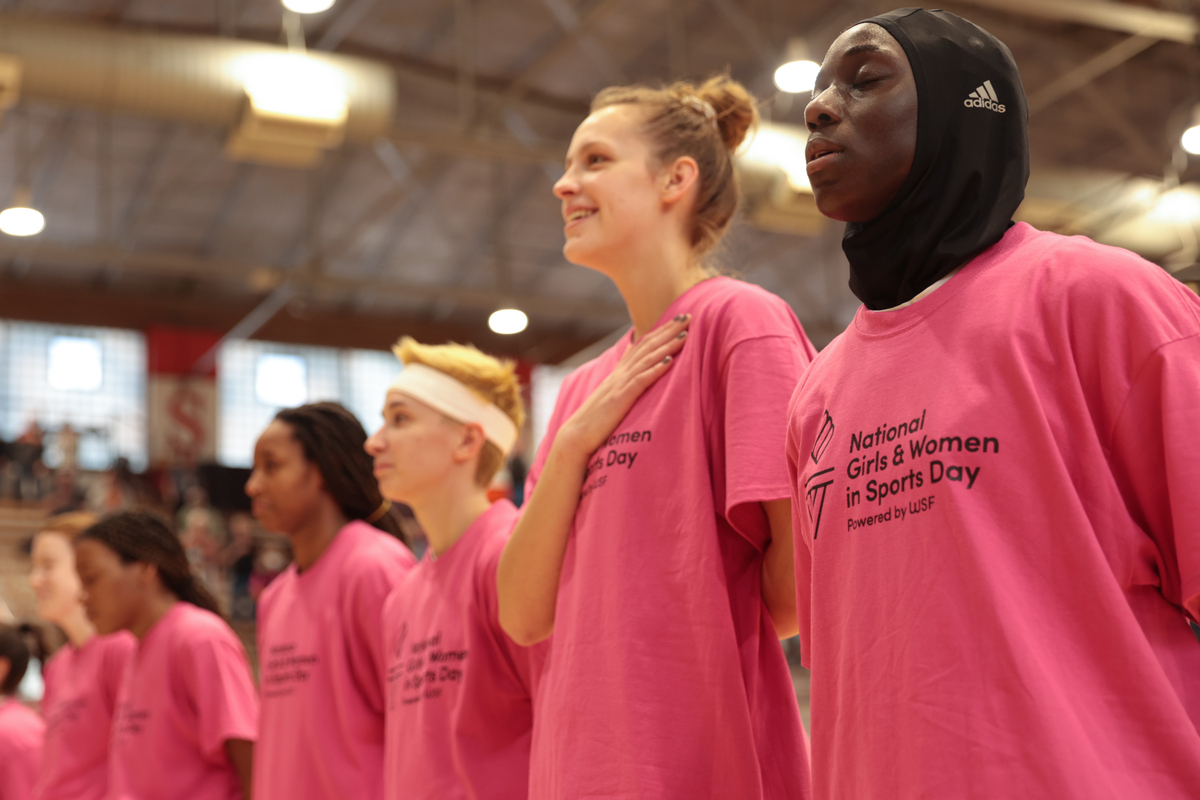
(74, 364)
(92, 378)
(256, 379)
(281, 380)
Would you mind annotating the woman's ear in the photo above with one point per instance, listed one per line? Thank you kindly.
(5, 668)
(470, 443)
(678, 178)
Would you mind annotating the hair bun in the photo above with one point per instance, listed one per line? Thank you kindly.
(736, 111)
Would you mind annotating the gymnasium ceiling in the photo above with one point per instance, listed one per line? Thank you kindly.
(449, 215)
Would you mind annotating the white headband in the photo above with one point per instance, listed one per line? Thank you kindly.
(451, 397)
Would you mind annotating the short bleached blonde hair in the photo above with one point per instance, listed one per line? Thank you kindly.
(493, 380)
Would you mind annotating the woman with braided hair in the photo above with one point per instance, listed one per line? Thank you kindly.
(656, 542)
(319, 644)
(83, 678)
(186, 714)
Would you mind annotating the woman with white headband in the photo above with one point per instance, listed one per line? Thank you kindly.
(459, 691)
(319, 650)
(656, 543)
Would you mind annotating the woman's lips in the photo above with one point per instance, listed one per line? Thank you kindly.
(822, 161)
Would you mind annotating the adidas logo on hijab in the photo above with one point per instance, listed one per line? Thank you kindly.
(984, 97)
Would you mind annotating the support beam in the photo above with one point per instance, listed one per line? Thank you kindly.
(1088, 71)
(748, 30)
(186, 265)
(1123, 17)
(520, 87)
(340, 28)
(478, 146)
(54, 302)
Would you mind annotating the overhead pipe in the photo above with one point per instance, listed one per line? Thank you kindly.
(184, 78)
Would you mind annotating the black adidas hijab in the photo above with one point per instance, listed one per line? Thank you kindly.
(970, 167)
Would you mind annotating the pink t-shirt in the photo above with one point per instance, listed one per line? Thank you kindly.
(998, 532)
(21, 732)
(459, 708)
(666, 679)
(81, 693)
(321, 670)
(187, 690)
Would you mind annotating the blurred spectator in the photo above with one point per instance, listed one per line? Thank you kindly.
(66, 496)
(518, 472)
(117, 490)
(26, 451)
(272, 556)
(202, 533)
(68, 447)
(239, 555)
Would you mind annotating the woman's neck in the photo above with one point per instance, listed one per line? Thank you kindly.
(155, 609)
(310, 541)
(76, 627)
(446, 516)
(651, 280)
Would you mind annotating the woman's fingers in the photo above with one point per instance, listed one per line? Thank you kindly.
(661, 342)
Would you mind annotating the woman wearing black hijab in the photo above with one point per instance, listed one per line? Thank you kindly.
(996, 467)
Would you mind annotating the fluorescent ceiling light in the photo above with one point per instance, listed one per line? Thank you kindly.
(1177, 205)
(18, 221)
(74, 364)
(296, 85)
(307, 6)
(1191, 140)
(797, 76)
(779, 147)
(281, 380)
(508, 320)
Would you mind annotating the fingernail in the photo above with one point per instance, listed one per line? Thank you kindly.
(679, 317)
(667, 360)
(681, 334)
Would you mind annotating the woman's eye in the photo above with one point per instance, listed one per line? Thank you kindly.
(595, 159)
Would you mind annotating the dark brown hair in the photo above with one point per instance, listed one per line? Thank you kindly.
(15, 648)
(707, 122)
(139, 536)
(333, 439)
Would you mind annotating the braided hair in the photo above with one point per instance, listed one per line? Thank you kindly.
(13, 646)
(143, 537)
(333, 440)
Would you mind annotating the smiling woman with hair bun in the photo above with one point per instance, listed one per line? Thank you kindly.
(656, 542)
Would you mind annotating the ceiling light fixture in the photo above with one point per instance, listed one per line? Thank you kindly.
(1191, 137)
(797, 77)
(777, 146)
(508, 321)
(307, 6)
(20, 219)
(799, 73)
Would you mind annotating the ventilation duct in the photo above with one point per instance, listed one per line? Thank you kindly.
(204, 80)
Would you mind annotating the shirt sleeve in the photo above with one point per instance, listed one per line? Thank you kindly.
(526, 663)
(363, 621)
(757, 381)
(1156, 459)
(803, 554)
(222, 691)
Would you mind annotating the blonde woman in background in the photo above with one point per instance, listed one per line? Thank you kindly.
(459, 690)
